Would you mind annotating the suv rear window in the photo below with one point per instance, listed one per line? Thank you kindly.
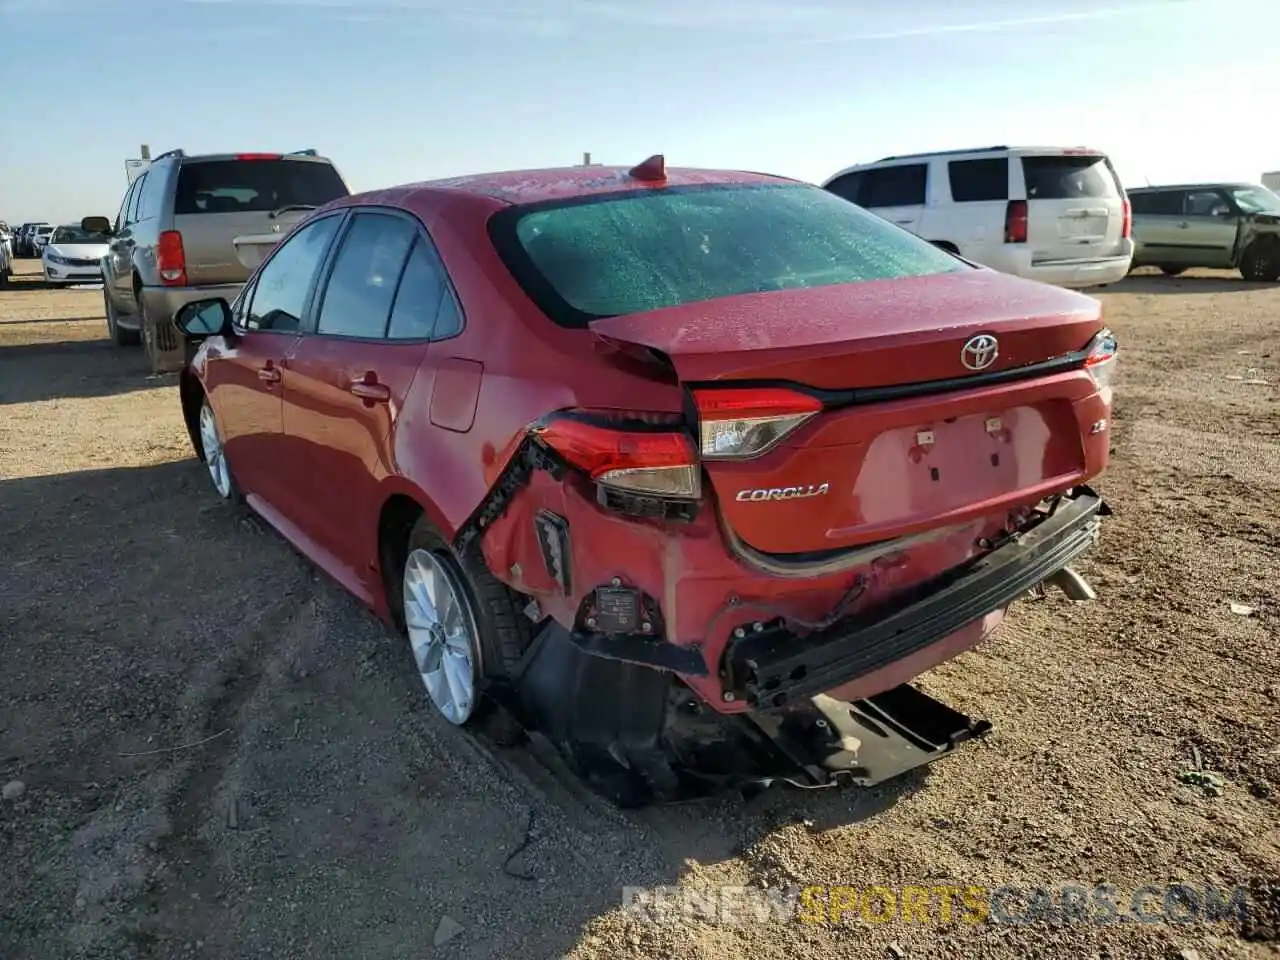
(615, 254)
(255, 186)
(1069, 177)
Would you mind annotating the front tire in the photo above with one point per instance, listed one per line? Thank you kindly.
(214, 455)
(1260, 262)
(464, 626)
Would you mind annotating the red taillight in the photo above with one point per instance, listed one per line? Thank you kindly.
(257, 156)
(735, 424)
(659, 463)
(171, 259)
(1126, 225)
(1015, 222)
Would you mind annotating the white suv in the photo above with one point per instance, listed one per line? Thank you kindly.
(1055, 214)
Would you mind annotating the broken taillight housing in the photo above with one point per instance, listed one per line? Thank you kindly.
(647, 462)
(1100, 361)
(736, 424)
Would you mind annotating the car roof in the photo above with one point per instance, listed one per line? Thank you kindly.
(1188, 186)
(999, 150)
(519, 187)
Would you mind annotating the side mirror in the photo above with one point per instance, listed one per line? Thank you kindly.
(95, 225)
(204, 318)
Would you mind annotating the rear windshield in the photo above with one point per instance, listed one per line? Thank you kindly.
(253, 186)
(625, 253)
(1069, 177)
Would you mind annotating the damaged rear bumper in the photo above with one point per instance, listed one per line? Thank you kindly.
(775, 666)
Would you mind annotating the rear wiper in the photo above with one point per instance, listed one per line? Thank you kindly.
(289, 208)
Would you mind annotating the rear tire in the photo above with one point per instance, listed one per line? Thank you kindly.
(1173, 271)
(1260, 262)
(119, 335)
(497, 632)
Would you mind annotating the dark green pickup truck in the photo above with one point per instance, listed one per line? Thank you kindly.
(1224, 225)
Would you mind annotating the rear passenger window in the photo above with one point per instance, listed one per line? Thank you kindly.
(122, 218)
(131, 215)
(423, 298)
(418, 299)
(976, 180)
(449, 319)
(151, 196)
(847, 186)
(357, 300)
(901, 186)
(1167, 204)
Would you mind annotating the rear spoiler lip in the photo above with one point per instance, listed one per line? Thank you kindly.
(860, 396)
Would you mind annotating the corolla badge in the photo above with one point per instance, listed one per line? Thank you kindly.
(783, 493)
(980, 352)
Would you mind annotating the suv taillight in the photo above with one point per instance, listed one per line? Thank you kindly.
(1015, 222)
(1126, 225)
(736, 424)
(657, 462)
(171, 259)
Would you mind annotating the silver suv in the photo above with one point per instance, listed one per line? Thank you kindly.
(173, 240)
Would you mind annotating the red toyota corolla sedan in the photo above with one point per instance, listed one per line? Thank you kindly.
(690, 471)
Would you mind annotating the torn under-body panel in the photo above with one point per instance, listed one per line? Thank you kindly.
(673, 596)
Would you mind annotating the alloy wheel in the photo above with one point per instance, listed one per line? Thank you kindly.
(215, 457)
(442, 631)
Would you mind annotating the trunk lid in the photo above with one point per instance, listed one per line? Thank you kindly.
(211, 243)
(861, 471)
(874, 334)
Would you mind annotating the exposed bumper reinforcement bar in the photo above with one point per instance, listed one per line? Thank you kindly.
(775, 667)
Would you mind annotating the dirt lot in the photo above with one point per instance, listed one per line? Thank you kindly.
(324, 812)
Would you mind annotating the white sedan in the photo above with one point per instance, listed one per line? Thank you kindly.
(73, 255)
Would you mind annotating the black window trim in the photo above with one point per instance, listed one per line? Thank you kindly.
(311, 321)
(308, 301)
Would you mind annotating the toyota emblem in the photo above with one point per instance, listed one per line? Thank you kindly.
(980, 352)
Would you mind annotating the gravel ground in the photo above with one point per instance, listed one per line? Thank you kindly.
(211, 751)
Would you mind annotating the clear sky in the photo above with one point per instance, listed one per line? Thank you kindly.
(402, 90)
